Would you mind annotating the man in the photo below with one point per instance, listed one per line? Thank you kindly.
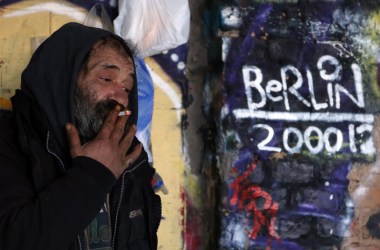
(72, 173)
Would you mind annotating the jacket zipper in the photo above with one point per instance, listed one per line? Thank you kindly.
(79, 243)
(52, 153)
(120, 199)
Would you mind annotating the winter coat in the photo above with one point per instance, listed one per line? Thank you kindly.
(47, 198)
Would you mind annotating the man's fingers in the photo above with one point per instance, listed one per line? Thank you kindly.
(132, 157)
(126, 142)
(109, 123)
(118, 130)
(74, 140)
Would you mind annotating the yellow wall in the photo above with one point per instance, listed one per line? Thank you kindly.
(22, 25)
(167, 158)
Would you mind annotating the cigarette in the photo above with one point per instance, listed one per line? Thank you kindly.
(124, 112)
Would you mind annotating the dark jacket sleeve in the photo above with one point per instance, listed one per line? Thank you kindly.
(52, 217)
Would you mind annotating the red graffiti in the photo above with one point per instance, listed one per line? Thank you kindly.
(246, 194)
(191, 223)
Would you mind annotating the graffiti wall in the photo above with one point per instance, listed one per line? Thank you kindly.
(300, 82)
(270, 144)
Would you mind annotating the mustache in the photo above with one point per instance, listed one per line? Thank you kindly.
(90, 116)
(104, 107)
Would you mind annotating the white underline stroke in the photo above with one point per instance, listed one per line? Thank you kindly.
(303, 116)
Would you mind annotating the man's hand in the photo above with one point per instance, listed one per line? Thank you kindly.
(110, 145)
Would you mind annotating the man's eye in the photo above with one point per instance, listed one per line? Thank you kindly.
(106, 79)
(127, 90)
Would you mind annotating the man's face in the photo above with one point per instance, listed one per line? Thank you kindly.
(106, 83)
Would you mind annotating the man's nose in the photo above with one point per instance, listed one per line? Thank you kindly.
(119, 95)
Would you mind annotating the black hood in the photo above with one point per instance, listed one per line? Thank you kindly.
(50, 77)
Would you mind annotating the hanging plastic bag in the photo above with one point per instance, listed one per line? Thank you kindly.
(98, 17)
(153, 26)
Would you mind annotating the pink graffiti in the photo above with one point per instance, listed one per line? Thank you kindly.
(245, 195)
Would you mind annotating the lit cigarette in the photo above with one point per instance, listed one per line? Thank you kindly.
(124, 112)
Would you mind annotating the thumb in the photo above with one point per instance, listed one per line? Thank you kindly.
(74, 140)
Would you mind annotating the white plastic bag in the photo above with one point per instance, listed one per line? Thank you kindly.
(97, 17)
(153, 26)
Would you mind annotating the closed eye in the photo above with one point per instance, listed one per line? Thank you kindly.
(127, 90)
(105, 79)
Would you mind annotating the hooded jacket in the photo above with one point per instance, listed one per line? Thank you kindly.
(47, 198)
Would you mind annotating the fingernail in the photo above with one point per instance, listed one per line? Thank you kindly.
(68, 127)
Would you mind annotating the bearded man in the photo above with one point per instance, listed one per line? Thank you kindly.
(72, 173)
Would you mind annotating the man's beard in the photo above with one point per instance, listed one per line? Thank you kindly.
(89, 114)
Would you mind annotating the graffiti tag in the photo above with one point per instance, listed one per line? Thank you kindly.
(325, 108)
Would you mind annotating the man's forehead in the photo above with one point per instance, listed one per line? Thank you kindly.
(115, 46)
